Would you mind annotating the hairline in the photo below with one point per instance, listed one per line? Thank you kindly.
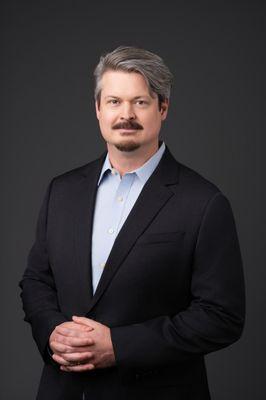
(120, 68)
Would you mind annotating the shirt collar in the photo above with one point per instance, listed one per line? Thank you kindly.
(143, 172)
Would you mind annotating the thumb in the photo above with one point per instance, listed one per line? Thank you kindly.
(85, 321)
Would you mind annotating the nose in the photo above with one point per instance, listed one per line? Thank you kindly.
(127, 112)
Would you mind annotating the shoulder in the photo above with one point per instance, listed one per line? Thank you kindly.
(187, 182)
(77, 172)
(75, 175)
(203, 199)
(192, 180)
(198, 192)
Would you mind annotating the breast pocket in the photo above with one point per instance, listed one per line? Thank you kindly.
(160, 237)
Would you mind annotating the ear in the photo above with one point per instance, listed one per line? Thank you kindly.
(164, 109)
(97, 109)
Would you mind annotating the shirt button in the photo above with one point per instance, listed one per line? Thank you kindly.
(111, 230)
(120, 198)
(102, 265)
(113, 171)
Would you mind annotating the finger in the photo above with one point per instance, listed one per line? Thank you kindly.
(73, 358)
(85, 321)
(58, 347)
(71, 332)
(82, 327)
(77, 368)
(60, 360)
(73, 341)
(58, 338)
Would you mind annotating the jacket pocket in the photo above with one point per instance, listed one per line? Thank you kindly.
(159, 237)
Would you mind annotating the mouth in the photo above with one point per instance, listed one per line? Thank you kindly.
(127, 130)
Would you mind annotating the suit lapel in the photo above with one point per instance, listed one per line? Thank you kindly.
(154, 195)
(84, 200)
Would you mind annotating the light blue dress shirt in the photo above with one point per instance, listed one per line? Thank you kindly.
(115, 198)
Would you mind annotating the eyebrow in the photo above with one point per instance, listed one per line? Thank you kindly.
(134, 98)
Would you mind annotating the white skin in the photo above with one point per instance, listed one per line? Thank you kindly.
(125, 102)
(82, 345)
(125, 99)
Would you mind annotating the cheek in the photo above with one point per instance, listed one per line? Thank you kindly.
(107, 119)
(152, 122)
(111, 116)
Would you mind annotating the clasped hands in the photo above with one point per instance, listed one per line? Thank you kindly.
(82, 345)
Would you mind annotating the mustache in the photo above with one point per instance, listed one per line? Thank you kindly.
(127, 125)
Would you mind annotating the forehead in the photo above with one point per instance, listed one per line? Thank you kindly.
(117, 83)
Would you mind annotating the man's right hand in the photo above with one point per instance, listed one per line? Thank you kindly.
(81, 340)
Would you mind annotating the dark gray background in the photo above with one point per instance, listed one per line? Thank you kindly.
(216, 51)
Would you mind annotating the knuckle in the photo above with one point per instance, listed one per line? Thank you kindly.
(59, 338)
(87, 356)
(73, 357)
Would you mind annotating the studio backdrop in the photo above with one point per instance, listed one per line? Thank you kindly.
(216, 125)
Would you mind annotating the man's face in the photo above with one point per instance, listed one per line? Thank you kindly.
(129, 117)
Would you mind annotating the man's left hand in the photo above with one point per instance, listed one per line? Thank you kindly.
(101, 353)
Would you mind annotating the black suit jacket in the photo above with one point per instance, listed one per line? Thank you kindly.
(172, 289)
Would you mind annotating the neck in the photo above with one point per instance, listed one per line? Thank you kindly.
(124, 161)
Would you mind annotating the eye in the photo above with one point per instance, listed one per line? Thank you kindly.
(113, 101)
(141, 102)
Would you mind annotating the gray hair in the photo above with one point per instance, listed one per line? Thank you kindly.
(132, 59)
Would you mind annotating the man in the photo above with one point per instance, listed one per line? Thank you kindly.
(136, 271)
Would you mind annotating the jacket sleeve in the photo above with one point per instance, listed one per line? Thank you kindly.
(38, 293)
(215, 316)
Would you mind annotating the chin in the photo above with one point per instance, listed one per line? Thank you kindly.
(127, 146)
